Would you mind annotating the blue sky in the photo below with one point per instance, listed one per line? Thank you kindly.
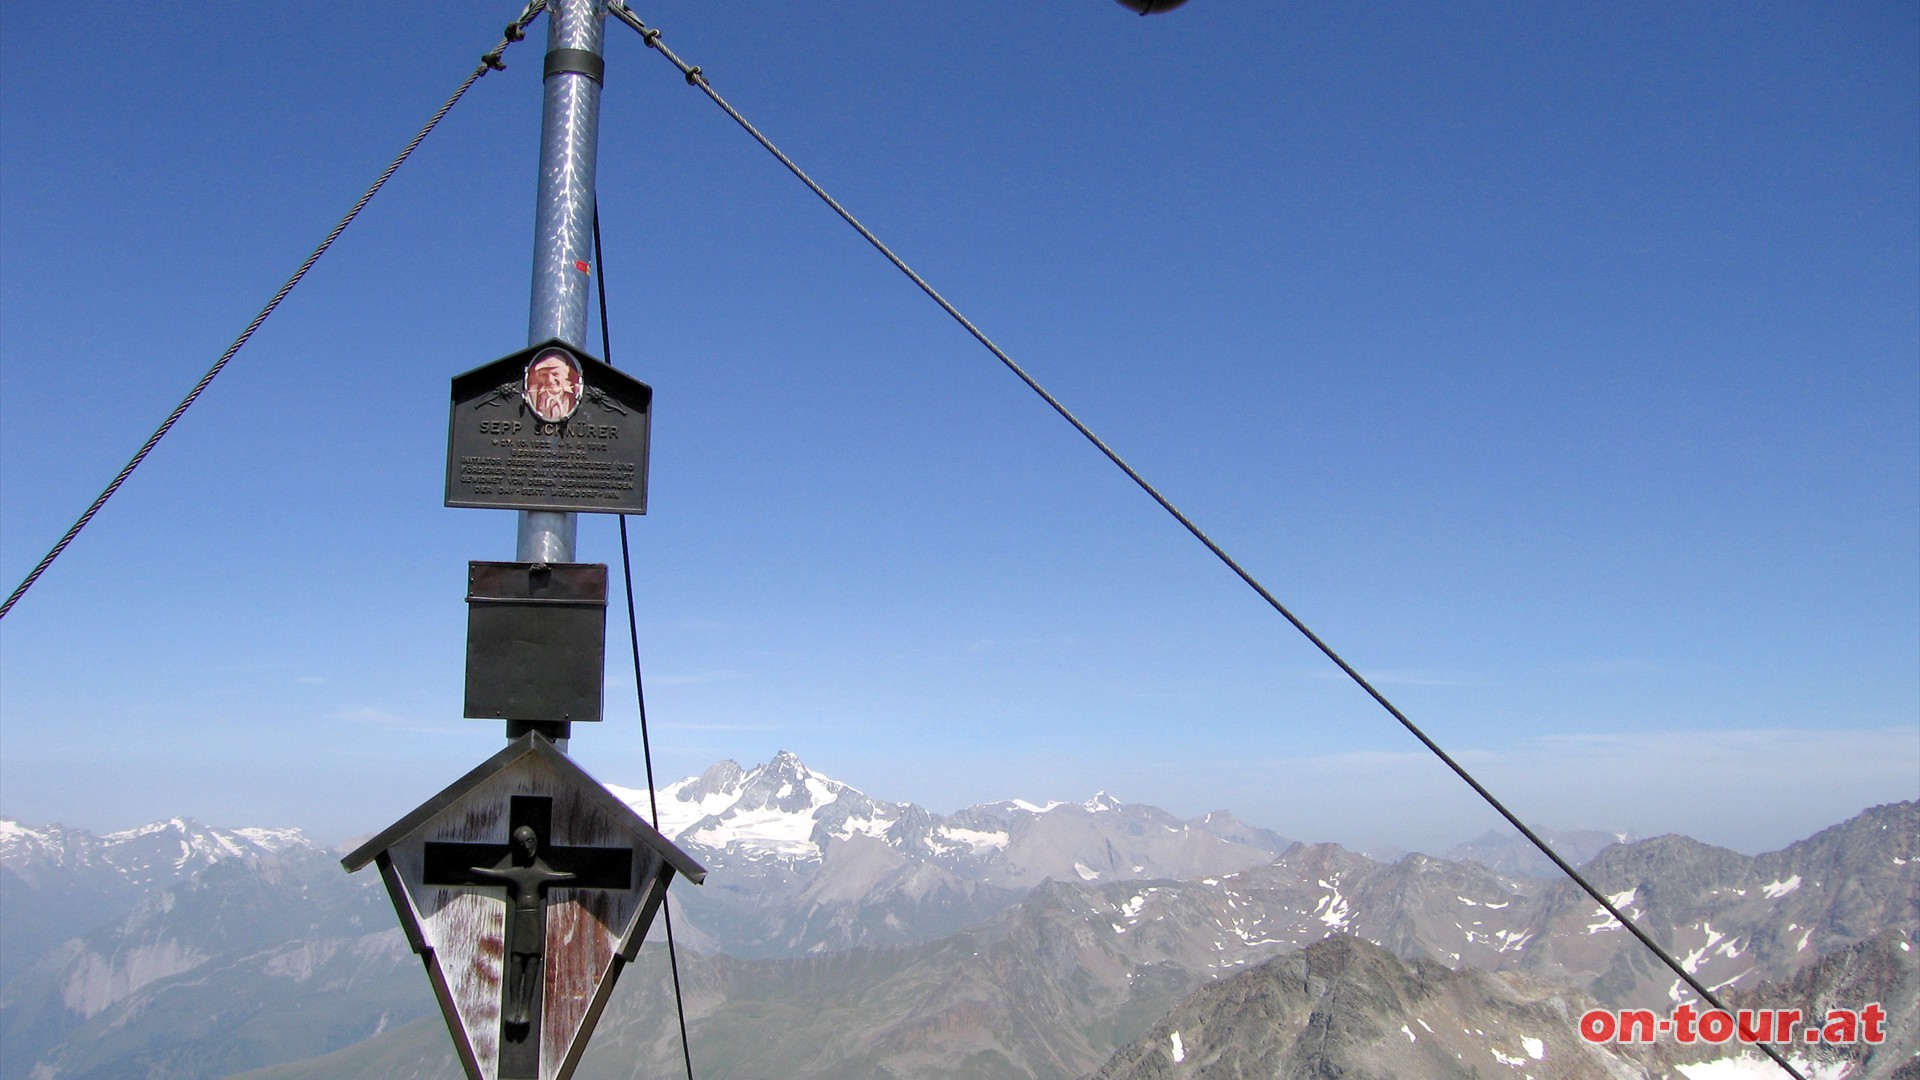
(1559, 365)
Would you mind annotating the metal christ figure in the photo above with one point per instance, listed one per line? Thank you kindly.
(527, 878)
(525, 869)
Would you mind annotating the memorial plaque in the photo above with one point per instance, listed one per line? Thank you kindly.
(549, 428)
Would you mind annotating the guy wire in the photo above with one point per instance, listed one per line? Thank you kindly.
(633, 639)
(696, 78)
(489, 62)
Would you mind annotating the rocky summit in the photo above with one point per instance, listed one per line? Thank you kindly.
(1345, 1008)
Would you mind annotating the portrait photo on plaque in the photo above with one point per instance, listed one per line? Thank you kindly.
(553, 385)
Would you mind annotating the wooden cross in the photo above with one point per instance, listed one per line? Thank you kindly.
(526, 867)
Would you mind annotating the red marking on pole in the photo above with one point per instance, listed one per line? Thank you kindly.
(581, 265)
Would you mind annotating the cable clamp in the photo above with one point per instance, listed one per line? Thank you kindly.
(493, 61)
(693, 75)
(575, 62)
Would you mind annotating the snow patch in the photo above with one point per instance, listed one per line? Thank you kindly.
(1179, 1050)
(1779, 889)
(1332, 908)
(772, 831)
(272, 839)
(1536, 1049)
(977, 840)
(1513, 940)
(1087, 873)
(865, 826)
(678, 810)
(1407, 1031)
(1620, 900)
(1755, 1067)
(1691, 962)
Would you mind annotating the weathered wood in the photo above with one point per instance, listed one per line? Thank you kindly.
(460, 928)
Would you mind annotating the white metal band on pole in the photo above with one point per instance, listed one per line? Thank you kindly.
(563, 228)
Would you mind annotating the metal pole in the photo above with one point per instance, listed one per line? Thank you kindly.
(563, 229)
(563, 240)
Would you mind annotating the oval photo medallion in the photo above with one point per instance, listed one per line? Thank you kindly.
(553, 385)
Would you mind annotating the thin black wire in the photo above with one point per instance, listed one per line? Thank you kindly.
(695, 78)
(639, 691)
(490, 62)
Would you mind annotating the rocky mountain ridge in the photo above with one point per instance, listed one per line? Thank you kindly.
(1344, 1008)
(1333, 1009)
(210, 970)
(784, 811)
(1047, 992)
(1505, 851)
(887, 937)
(56, 882)
(803, 863)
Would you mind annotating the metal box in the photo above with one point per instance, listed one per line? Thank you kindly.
(536, 640)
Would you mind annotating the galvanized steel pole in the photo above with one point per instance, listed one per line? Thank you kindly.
(563, 232)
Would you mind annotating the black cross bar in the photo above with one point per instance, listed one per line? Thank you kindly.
(593, 868)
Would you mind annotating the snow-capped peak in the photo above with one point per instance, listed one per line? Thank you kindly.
(273, 840)
(50, 844)
(161, 851)
(721, 778)
(771, 809)
(782, 812)
(787, 785)
(12, 832)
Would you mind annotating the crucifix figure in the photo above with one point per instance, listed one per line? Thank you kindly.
(526, 868)
(527, 878)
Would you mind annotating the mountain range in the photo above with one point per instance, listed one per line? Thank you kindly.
(840, 935)
(57, 881)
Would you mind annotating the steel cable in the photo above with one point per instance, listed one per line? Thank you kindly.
(696, 78)
(639, 686)
(489, 62)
